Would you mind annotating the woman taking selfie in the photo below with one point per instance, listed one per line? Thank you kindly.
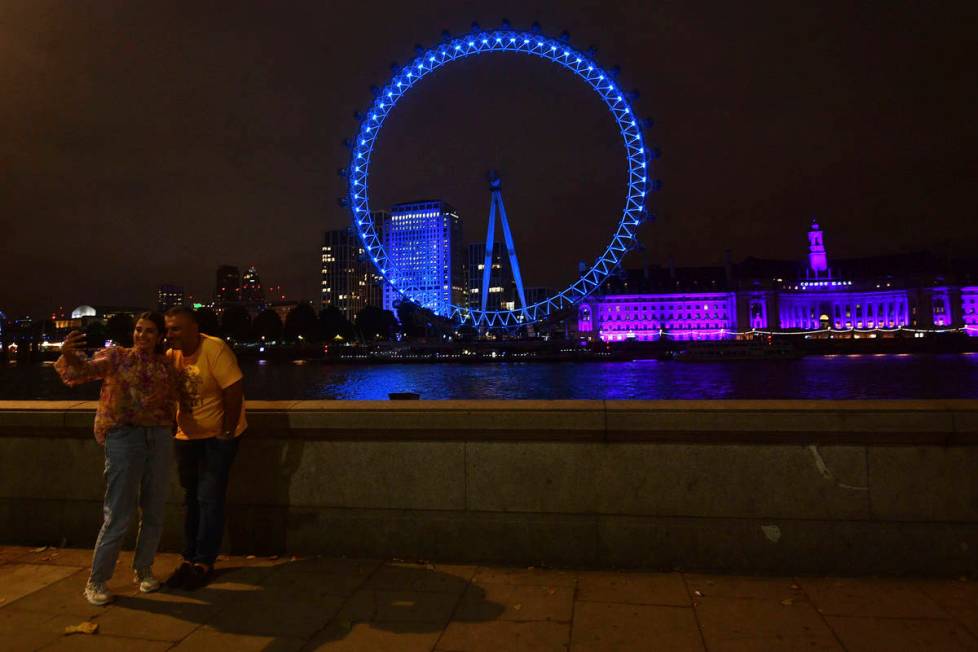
(134, 423)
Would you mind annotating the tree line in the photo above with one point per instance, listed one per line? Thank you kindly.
(302, 324)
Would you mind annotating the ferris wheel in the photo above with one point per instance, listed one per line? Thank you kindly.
(638, 154)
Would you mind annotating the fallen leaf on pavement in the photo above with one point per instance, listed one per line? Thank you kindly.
(787, 602)
(250, 557)
(795, 587)
(551, 591)
(429, 566)
(517, 606)
(274, 557)
(82, 628)
(698, 594)
(41, 549)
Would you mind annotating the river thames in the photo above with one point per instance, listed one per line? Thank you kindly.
(889, 376)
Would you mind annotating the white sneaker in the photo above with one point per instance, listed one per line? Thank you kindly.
(97, 594)
(147, 583)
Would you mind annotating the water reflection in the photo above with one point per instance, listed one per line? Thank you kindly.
(823, 377)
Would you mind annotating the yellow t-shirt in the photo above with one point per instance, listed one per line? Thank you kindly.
(204, 375)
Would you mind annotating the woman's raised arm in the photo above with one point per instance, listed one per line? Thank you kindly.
(75, 368)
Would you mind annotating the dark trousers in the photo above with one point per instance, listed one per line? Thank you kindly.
(204, 466)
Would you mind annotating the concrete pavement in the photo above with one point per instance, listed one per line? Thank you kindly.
(285, 604)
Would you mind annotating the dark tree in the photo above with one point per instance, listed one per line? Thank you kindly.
(207, 321)
(301, 321)
(467, 332)
(332, 322)
(412, 319)
(268, 325)
(119, 328)
(376, 323)
(422, 322)
(236, 323)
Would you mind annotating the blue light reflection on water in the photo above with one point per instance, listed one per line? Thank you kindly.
(828, 377)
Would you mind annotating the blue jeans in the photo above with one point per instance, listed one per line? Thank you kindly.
(137, 470)
(205, 466)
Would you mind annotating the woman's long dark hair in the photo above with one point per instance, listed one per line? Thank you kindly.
(157, 319)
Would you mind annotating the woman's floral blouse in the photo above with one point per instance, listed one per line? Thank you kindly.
(139, 389)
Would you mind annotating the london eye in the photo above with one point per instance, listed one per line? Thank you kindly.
(639, 156)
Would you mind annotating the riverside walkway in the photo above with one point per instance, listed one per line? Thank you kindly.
(315, 603)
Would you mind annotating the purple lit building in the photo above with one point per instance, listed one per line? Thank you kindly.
(969, 309)
(818, 300)
(647, 317)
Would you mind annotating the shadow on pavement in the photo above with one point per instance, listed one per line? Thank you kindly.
(280, 605)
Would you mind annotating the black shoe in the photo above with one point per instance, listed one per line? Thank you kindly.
(179, 576)
(197, 577)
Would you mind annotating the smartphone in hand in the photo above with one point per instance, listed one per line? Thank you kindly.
(74, 343)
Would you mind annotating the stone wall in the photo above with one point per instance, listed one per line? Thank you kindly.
(848, 487)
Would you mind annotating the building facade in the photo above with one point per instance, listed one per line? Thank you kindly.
(501, 291)
(349, 281)
(425, 252)
(818, 300)
(969, 309)
(227, 288)
(252, 293)
(647, 317)
(168, 296)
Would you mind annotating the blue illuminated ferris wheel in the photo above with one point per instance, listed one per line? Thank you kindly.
(582, 64)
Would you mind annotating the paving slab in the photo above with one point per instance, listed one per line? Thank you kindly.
(241, 578)
(374, 637)
(102, 643)
(78, 557)
(516, 602)
(312, 585)
(276, 613)
(156, 617)
(901, 634)
(739, 624)
(607, 627)
(440, 578)
(525, 576)
(287, 604)
(432, 609)
(204, 640)
(959, 598)
(870, 598)
(26, 630)
(19, 580)
(740, 586)
(336, 566)
(633, 588)
(496, 635)
(13, 553)
(61, 598)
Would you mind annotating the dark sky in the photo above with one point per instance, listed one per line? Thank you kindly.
(148, 142)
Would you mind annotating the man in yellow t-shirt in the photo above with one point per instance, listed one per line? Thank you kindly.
(210, 417)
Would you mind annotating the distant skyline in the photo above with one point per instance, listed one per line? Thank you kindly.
(148, 143)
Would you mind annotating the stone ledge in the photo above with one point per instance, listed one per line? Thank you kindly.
(929, 423)
(728, 545)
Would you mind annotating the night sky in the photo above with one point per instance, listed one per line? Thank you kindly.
(149, 142)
